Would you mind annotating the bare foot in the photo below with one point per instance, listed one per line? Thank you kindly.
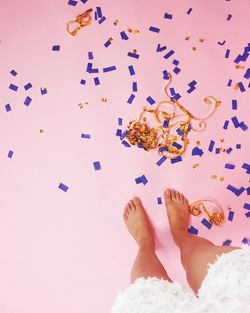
(137, 222)
(177, 211)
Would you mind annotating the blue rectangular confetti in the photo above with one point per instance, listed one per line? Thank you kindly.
(124, 35)
(241, 86)
(154, 29)
(168, 16)
(10, 154)
(133, 55)
(7, 107)
(97, 81)
(13, 87)
(83, 82)
(234, 104)
(119, 121)
(134, 86)
(247, 214)
(161, 160)
(13, 73)
(102, 20)
(27, 101)
(229, 166)
(99, 12)
(247, 74)
(107, 43)
(160, 49)
(225, 124)
(235, 121)
(168, 55)
(176, 70)
(193, 230)
(227, 242)
(229, 83)
(175, 62)
(227, 53)
(206, 223)
(63, 187)
(230, 215)
(97, 165)
(246, 241)
(189, 10)
(72, 2)
(28, 86)
(165, 75)
(176, 160)
(56, 48)
(109, 69)
(131, 70)
(159, 200)
(131, 98)
(126, 144)
(238, 146)
(90, 55)
(43, 91)
(150, 100)
(211, 146)
(236, 191)
(229, 150)
(246, 206)
(141, 179)
(86, 136)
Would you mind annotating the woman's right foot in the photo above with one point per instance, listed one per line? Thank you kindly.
(178, 213)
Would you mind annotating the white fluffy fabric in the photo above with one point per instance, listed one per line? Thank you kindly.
(226, 288)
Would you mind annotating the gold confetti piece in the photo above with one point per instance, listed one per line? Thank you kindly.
(142, 134)
(116, 22)
(187, 38)
(222, 140)
(196, 165)
(238, 66)
(194, 48)
(104, 99)
(201, 39)
(236, 87)
(41, 131)
(82, 105)
(110, 39)
(216, 217)
(82, 20)
(198, 143)
(134, 51)
(222, 178)
(213, 176)
(222, 149)
(134, 31)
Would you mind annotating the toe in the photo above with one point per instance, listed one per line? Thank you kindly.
(181, 197)
(167, 195)
(173, 196)
(177, 195)
(137, 202)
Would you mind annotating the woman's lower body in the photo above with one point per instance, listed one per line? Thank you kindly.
(197, 254)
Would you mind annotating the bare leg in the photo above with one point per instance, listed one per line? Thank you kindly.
(146, 262)
(196, 252)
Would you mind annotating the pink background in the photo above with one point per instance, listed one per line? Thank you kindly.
(70, 251)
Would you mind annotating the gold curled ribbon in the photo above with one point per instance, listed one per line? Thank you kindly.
(141, 134)
(215, 218)
(83, 20)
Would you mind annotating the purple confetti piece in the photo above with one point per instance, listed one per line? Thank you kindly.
(168, 16)
(13, 87)
(27, 101)
(246, 241)
(206, 223)
(109, 69)
(246, 167)
(189, 11)
(227, 53)
(99, 12)
(83, 81)
(28, 86)
(86, 136)
(197, 151)
(176, 70)
(118, 132)
(176, 145)
(175, 62)
(124, 134)
(141, 179)
(248, 191)
(191, 89)
(107, 43)
(235, 121)
(217, 151)
(131, 70)
(119, 121)
(230, 215)
(238, 146)
(56, 48)
(63, 187)
(176, 160)
(161, 160)
(159, 200)
(7, 107)
(247, 74)
(154, 29)
(234, 104)
(247, 214)
(221, 43)
(43, 91)
(211, 146)
(134, 86)
(168, 55)
(229, 83)
(229, 17)
(97, 165)
(193, 230)
(226, 124)
(165, 75)
(246, 206)
(241, 86)
(229, 150)
(150, 100)
(160, 49)
(10, 154)
(124, 35)
(165, 124)
(227, 242)
(126, 144)
(229, 166)
(97, 81)
(13, 73)
(243, 126)
(102, 20)
(131, 98)
(236, 191)
(133, 55)
(90, 55)
(84, 1)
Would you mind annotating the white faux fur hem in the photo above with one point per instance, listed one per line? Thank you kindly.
(226, 288)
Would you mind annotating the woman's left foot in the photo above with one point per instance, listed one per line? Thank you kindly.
(137, 222)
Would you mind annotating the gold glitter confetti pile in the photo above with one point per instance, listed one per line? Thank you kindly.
(142, 134)
(81, 20)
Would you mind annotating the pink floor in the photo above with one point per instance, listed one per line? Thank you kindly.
(69, 251)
